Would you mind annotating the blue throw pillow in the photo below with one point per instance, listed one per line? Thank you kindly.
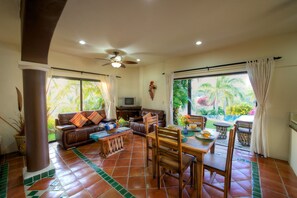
(109, 126)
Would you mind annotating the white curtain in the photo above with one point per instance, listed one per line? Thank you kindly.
(260, 74)
(108, 89)
(169, 95)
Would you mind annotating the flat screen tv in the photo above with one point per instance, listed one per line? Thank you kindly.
(129, 101)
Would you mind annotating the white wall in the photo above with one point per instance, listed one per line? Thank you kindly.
(11, 76)
(293, 151)
(283, 93)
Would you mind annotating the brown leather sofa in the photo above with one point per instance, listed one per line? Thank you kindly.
(138, 126)
(68, 135)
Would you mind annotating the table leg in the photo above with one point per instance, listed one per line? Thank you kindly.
(199, 174)
(212, 149)
(154, 163)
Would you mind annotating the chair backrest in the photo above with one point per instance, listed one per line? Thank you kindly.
(244, 125)
(172, 150)
(149, 121)
(199, 120)
(230, 150)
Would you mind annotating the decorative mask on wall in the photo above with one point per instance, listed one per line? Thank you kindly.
(152, 89)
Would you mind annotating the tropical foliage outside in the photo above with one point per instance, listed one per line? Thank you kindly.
(63, 95)
(222, 98)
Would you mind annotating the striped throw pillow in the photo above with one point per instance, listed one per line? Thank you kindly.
(78, 120)
(95, 117)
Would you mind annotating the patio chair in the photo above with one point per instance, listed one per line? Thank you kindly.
(244, 131)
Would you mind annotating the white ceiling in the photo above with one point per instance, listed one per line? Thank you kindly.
(155, 30)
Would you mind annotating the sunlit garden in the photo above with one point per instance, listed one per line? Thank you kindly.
(70, 95)
(219, 98)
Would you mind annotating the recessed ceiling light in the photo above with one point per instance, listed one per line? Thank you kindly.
(82, 42)
(138, 60)
(198, 42)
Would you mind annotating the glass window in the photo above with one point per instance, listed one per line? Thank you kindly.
(91, 95)
(71, 95)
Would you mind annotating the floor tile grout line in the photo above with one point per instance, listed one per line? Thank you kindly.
(284, 186)
(103, 174)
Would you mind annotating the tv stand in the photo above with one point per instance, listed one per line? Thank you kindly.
(126, 112)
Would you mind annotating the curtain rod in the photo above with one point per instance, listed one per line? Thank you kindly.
(216, 66)
(82, 72)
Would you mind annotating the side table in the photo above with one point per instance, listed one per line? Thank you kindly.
(111, 143)
(221, 127)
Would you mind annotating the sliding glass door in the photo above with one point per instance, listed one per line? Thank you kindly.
(220, 97)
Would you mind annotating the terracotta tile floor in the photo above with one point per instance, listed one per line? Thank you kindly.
(79, 174)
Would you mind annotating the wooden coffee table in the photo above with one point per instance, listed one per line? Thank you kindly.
(111, 142)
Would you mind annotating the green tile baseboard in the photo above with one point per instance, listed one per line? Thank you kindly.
(3, 179)
(117, 186)
(256, 187)
(30, 178)
(256, 180)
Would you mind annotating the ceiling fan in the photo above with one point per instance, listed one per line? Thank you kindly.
(117, 60)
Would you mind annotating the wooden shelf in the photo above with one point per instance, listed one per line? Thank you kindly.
(128, 111)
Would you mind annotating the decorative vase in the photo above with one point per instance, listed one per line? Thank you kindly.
(21, 143)
(185, 130)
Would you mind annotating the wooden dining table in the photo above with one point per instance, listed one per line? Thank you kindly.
(193, 146)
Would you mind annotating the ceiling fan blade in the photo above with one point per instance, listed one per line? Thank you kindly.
(106, 64)
(123, 66)
(102, 59)
(130, 62)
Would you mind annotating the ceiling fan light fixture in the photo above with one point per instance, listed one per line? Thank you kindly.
(82, 42)
(116, 64)
(198, 42)
(118, 58)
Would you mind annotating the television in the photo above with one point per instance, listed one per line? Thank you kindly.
(129, 101)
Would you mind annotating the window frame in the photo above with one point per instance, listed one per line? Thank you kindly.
(80, 85)
(203, 76)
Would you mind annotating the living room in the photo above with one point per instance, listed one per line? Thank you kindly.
(134, 81)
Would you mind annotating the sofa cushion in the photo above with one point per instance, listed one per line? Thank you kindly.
(95, 117)
(66, 127)
(78, 120)
(153, 112)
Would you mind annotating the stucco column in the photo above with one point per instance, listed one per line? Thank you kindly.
(34, 92)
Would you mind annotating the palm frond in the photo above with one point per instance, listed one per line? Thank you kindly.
(20, 100)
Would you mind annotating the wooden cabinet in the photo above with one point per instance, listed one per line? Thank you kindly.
(128, 111)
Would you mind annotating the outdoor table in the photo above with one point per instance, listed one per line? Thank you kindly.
(193, 146)
(221, 127)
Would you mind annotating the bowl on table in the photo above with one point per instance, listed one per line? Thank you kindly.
(193, 126)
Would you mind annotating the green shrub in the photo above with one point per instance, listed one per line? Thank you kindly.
(205, 112)
(239, 109)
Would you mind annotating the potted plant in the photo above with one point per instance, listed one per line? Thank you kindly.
(18, 125)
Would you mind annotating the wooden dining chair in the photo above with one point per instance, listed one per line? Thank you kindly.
(149, 122)
(221, 165)
(199, 120)
(169, 157)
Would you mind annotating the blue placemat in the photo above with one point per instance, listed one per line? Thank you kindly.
(189, 134)
(102, 134)
(98, 135)
(198, 129)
